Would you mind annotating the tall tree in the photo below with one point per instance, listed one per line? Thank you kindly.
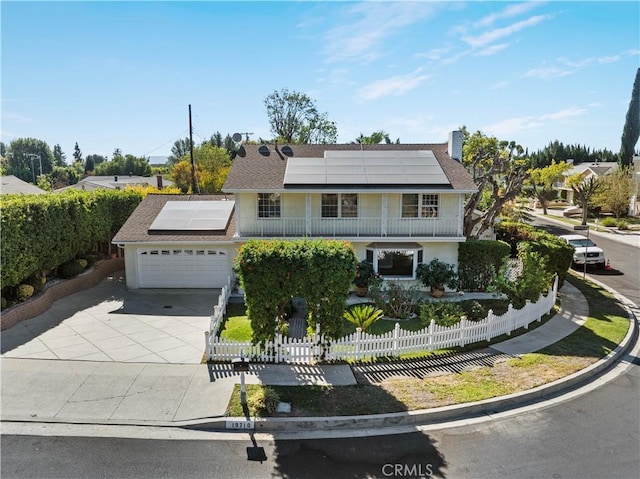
(59, 158)
(124, 165)
(541, 181)
(227, 143)
(180, 149)
(631, 130)
(584, 190)
(498, 168)
(96, 159)
(294, 118)
(77, 154)
(3, 149)
(27, 158)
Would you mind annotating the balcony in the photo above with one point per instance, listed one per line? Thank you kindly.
(350, 227)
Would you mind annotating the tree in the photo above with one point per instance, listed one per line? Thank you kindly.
(77, 153)
(294, 118)
(3, 149)
(96, 159)
(59, 158)
(542, 179)
(631, 130)
(584, 191)
(212, 166)
(616, 191)
(179, 150)
(227, 143)
(28, 158)
(497, 167)
(375, 138)
(124, 165)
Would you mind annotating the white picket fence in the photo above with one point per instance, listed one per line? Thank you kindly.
(220, 309)
(360, 345)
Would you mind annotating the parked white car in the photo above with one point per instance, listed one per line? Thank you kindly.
(585, 251)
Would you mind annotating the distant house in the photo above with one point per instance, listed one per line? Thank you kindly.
(117, 182)
(586, 170)
(11, 184)
(398, 205)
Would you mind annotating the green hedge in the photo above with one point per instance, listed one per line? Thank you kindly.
(274, 271)
(526, 238)
(41, 232)
(478, 261)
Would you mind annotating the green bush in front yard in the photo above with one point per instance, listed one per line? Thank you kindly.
(478, 262)
(70, 269)
(262, 401)
(443, 313)
(24, 292)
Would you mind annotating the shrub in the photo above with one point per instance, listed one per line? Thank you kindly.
(608, 222)
(70, 269)
(474, 310)
(263, 401)
(3, 302)
(24, 292)
(363, 315)
(444, 313)
(622, 225)
(478, 262)
(38, 281)
(533, 281)
(397, 301)
(91, 259)
(437, 274)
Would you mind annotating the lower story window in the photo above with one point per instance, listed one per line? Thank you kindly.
(395, 263)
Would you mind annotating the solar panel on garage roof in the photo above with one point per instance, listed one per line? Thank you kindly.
(366, 168)
(193, 216)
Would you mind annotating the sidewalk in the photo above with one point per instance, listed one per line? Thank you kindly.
(91, 392)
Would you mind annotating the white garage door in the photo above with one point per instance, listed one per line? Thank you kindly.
(182, 268)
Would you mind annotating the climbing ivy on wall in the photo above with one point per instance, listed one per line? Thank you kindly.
(274, 271)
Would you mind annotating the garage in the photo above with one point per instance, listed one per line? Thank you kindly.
(182, 267)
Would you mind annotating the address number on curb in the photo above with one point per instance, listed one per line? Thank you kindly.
(240, 424)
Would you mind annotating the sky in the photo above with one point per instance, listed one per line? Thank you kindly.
(122, 74)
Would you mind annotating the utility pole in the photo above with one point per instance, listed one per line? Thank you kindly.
(193, 165)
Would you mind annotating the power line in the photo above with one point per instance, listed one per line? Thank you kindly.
(173, 140)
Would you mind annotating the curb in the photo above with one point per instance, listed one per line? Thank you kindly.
(452, 412)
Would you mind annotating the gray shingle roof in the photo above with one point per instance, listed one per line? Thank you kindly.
(262, 167)
(135, 229)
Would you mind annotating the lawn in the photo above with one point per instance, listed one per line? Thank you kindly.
(604, 329)
(237, 325)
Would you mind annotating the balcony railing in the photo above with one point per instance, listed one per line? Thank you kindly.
(349, 227)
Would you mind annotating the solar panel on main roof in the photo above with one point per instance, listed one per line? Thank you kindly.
(387, 167)
(193, 216)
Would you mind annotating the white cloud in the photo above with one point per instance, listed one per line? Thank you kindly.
(367, 24)
(546, 73)
(500, 85)
(434, 53)
(491, 50)
(512, 126)
(395, 85)
(493, 35)
(508, 12)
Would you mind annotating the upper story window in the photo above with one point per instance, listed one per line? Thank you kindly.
(268, 205)
(420, 205)
(339, 205)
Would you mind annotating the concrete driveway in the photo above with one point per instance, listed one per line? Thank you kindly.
(111, 323)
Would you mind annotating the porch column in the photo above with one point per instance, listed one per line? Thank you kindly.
(236, 214)
(307, 214)
(460, 215)
(383, 216)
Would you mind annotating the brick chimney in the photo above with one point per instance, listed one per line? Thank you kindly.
(455, 145)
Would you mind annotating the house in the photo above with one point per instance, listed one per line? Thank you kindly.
(117, 182)
(587, 170)
(398, 205)
(11, 184)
